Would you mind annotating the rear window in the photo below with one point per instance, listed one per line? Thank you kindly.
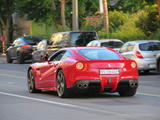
(112, 44)
(82, 38)
(99, 54)
(32, 40)
(150, 46)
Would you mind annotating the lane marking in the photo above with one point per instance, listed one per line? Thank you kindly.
(11, 83)
(21, 77)
(66, 104)
(148, 94)
(11, 75)
(11, 71)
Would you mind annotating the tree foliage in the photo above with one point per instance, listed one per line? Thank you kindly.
(131, 5)
(149, 22)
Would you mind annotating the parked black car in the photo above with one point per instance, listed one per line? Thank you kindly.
(22, 49)
(62, 39)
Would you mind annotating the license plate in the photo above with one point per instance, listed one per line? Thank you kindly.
(109, 71)
(152, 66)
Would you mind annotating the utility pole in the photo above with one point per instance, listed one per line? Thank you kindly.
(75, 25)
(63, 14)
(105, 16)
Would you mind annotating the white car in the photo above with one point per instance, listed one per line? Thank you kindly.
(144, 52)
(110, 43)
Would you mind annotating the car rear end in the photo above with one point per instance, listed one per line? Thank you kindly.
(112, 43)
(29, 46)
(146, 55)
(105, 74)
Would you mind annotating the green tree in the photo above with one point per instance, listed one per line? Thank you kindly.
(150, 21)
(34, 9)
(6, 9)
(131, 5)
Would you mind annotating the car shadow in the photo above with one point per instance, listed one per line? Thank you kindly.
(84, 95)
(25, 62)
(149, 74)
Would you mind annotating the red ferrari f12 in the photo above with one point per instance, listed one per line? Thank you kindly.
(91, 69)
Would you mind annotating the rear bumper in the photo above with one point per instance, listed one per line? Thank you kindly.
(86, 85)
(144, 64)
(126, 84)
(96, 85)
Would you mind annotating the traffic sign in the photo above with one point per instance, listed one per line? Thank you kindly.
(3, 38)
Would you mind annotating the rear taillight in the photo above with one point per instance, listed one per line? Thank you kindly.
(133, 65)
(138, 54)
(26, 46)
(79, 66)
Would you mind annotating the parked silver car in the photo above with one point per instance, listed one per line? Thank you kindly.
(143, 52)
(111, 43)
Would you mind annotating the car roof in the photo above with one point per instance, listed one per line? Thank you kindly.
(107, 40)
(142, 41)
(68, 32)
(81, 48)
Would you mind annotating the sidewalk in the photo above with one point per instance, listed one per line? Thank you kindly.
(2, 58)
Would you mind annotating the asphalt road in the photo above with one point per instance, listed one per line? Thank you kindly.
(17, 104)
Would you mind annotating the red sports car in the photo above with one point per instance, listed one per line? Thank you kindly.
(85, 69)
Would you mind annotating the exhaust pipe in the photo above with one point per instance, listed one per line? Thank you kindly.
(133, 83)
(82, 85)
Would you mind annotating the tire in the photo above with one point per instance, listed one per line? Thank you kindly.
(31, 82)
(128, 92)
(9, 60)
(62, 90)
(20, 58)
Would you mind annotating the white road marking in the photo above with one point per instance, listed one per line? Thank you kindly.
(66, 105)
(11, 83)
(13, 76)
(148, 94)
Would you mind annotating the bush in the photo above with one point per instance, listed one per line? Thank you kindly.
(46, 30)
(117, 19)
(93, 23)
(155, 35)
(127, 31)
(149, 22)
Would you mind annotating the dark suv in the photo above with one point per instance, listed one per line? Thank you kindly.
(62, 39)
(22, 49)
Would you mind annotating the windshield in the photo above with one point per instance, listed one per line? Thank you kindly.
(99, 54)
(82, 38)
(150, 46)
(112, 44)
